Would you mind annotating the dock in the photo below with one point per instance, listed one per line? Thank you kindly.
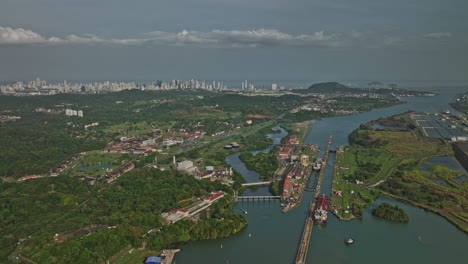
(309, 223)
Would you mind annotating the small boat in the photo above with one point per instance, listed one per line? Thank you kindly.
(244, 211)
(283, 204)
(221, 245)
(250, 235)
(349, 241)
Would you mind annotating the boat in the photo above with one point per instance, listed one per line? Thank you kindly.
(349, 241)
(317, 164)
(283, 204)
(321, 210)
(244, 211)
(250, 235)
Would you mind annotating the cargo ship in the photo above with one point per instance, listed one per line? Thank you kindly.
(321, 210)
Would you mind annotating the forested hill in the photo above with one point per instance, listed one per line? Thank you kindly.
(327, 87)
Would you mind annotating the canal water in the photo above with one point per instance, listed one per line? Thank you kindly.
(273, 237)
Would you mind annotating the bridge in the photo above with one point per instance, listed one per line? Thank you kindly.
(256, 198)
(309, 224)
(294, 145)
(256, 183)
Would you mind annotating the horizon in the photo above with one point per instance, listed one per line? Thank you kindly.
(234, 40)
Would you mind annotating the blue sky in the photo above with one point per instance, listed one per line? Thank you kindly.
(234, 39)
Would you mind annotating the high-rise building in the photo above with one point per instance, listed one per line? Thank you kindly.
(273, 86)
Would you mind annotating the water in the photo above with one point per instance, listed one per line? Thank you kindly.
(451, 162)
(427, 238)
(275, 137)
(236, 163)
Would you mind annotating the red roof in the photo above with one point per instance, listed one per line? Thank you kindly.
(287, 182)
(29, 177)
(144, 148)
(215, 196)
(286, 150)
(293, 137)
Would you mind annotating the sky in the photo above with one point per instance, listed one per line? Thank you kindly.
(144, 40)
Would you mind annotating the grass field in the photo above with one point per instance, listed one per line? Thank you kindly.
(96, 163)
(396, 149)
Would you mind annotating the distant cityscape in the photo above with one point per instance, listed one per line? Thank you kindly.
(41, 87)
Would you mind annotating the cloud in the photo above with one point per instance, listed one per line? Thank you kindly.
(438, 35)
(241, 38)
(217, 38)
(10, 35)
(223, 38)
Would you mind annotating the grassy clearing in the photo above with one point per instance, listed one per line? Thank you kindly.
(136, 256)
(96, 163)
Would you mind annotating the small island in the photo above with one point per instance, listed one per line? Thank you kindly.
(390, 212)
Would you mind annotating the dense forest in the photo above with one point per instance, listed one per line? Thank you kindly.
(40, 141)
(37, 209)
(390, 212)
(263, 163)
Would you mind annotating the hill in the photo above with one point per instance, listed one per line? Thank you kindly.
(326, 87)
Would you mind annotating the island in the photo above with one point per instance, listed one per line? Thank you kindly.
(390, 212)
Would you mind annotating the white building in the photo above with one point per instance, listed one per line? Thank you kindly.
(186, 166)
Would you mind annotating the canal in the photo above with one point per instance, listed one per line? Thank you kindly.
(273, 237)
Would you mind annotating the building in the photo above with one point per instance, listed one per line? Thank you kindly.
(204, 175)
(215, 195)
(153, 260)
(284, 153)
(186, 166)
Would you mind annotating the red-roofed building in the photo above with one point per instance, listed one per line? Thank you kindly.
(29, 177)
(216, 195)
(142, 150)
(284, 153)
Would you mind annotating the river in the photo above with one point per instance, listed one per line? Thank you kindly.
(274, 236)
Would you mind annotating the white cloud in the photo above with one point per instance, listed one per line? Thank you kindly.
(438, 35)
(218, 38)
(10, 35)
(221, 38)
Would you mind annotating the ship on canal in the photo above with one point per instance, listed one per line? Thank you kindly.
(321, 210)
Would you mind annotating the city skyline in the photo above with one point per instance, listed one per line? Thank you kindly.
(230, 40)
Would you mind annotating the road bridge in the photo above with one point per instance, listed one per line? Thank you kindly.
(256, 183)
(257, 198)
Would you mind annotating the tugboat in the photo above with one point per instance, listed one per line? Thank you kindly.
(321, 210)
(348, 241)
